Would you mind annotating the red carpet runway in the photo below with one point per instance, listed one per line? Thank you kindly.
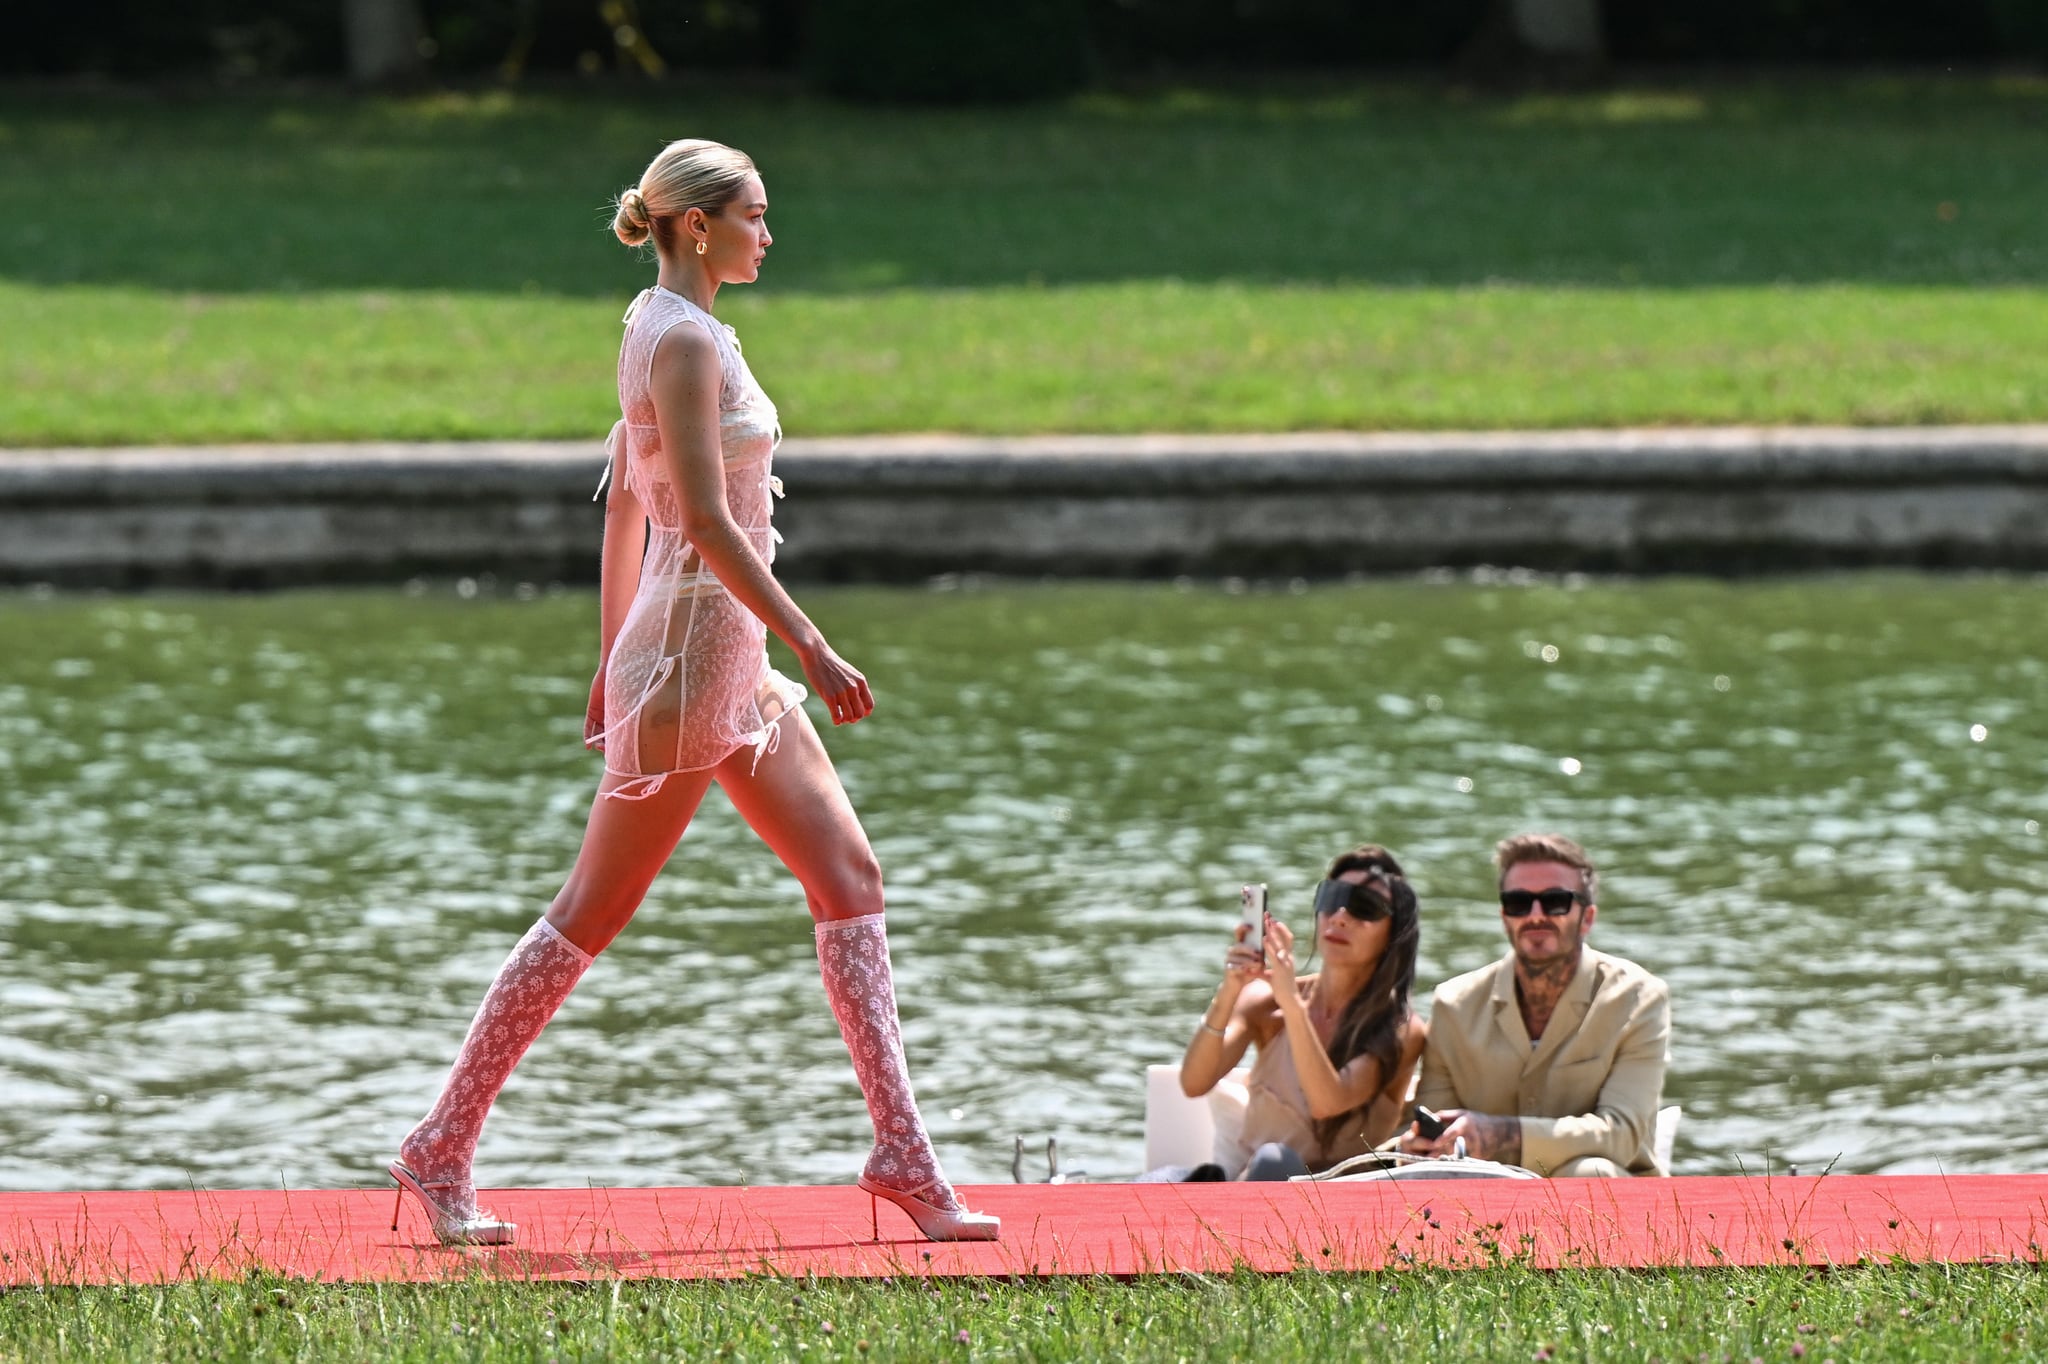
(1121, 1229)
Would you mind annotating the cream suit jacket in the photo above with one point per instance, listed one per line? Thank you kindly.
(1591, 1086)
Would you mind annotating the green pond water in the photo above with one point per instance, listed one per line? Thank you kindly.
(262, 854)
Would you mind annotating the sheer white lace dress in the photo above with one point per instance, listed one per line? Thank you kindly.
(688, 681)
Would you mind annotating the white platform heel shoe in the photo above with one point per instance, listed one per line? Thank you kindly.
(452, 1226)
(937, 1224)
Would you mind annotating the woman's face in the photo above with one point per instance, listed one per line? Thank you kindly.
(736, 237)
(1346, 941)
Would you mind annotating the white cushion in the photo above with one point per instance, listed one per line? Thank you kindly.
(1227, 1102)
(1666, 1136)
(1184, 1131)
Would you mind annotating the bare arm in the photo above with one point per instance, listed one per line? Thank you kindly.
(1228, 1026)
(1329, 1091)
(684, 383)
(625, 545)
(1390, 1105)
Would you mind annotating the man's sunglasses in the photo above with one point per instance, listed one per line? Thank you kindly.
(1557, 902)
(1365, 901)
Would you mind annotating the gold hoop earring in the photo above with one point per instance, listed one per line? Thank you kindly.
(702, 247)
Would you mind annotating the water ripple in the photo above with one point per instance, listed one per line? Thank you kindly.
(263, 854)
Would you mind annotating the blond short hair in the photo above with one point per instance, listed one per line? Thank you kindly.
(692, 173)
(1522, 848)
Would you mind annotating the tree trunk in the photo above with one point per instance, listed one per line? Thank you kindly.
(1560, 28)
(383, 40)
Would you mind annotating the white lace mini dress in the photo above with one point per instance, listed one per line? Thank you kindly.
(688, 682)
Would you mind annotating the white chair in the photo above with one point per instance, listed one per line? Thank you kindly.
(1665, 1136)
(1184, 1131)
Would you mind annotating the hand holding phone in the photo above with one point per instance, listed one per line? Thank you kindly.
(1428, 1125)
(1253, 900)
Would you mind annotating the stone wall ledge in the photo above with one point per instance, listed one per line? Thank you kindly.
(1772, 455)
(1723, 500)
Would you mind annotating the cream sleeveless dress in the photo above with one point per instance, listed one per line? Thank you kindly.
(1277, 1109)
(688, 682)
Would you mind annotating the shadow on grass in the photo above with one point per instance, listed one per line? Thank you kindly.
(1909, 181)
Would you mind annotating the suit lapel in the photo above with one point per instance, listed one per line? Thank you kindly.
(1507, 1015)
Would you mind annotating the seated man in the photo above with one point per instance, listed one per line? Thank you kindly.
(1553, 1057)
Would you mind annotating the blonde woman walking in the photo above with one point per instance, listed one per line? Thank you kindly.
(684, 697)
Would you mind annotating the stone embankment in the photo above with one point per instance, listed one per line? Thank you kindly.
(1718, 501)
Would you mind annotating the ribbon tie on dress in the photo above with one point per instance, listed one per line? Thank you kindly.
(611, 454)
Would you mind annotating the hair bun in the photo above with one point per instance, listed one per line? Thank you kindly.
(632, 223)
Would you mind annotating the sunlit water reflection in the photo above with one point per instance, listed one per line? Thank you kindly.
(262, 854)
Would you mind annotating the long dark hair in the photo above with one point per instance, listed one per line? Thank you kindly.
(1371, 1022)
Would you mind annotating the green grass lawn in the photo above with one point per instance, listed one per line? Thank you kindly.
(1974, 1313)
(249, 268)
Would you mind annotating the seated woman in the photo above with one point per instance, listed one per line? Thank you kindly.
(1337, 1049)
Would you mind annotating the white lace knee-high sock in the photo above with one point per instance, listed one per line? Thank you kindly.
(853, 958)
(538, 975)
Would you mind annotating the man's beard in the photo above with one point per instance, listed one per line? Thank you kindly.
(1567, 945)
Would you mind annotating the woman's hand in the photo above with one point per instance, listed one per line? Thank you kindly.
(837, 683)
(593, 714)
(1280, 962)
(1242, 963)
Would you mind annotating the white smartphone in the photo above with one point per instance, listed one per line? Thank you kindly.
(1253, 900)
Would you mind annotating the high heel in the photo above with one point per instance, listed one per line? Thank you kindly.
(937, 1224)
(450, 1228)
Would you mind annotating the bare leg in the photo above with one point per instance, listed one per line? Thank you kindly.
(624, 846)
(794, 801)
(792, 798)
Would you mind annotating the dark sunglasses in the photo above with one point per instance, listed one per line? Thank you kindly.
(1365, 901)
(1557, 902)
